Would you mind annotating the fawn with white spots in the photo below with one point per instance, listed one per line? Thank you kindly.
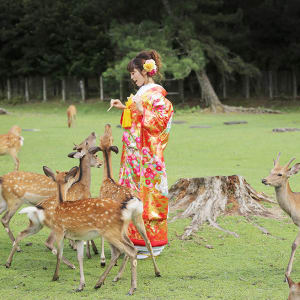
(109, 188)
(71, 113)
(10, 143)
(287, 200)
(86, 219)
(18, 188)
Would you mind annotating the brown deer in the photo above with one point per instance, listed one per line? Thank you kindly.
(85, 219)
(111, 189)
(18, 188)
(71, 113)
(294, 293)
(287, 200)
(10, 143)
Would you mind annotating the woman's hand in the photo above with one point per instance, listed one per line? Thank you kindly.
(117, 104)
(138, 103)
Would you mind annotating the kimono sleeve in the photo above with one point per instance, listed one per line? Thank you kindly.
(156, 114)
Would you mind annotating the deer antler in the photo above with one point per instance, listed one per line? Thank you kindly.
(276, 162)
(287, 165)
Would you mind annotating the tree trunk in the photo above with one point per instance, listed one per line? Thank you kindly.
(63, 89)
(26, 89)
(208, 92)
(8, 89)
(204, 199)
(44, 89)
(82, 89)
(294, 80)
(270, 77)
(101, 87)
(247, 87)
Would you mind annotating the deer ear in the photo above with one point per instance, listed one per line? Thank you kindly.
(289, 280)
(95, 149)
(114, 149)
(293, 170)
(71, 173)
(48, 172)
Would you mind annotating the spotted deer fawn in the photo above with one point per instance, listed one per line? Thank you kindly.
(10, 143)
(86, 219)
(109, 188)
(287, 200)
(18, 188)
(294, 293)
(71, 113)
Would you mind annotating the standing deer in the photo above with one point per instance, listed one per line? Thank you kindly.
(287, 200)
(71, 113)
(294, 293)
(109, 188)
(85, 219)
(18, 188)
(10, 143)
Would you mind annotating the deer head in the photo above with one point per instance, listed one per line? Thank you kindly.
(106, 140)
(64, 180)
(279, 175)
(90, 141)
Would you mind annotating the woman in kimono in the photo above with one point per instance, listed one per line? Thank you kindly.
(146, 120)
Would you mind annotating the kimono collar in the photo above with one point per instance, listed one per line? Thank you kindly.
(151, 86)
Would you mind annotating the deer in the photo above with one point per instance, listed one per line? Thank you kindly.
(10, 143)
(294, 293)
(18, 188)
(109, 188)
(85, 219)
(288, 200)
(71, 113)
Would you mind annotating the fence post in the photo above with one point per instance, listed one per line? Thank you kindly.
(101, 87)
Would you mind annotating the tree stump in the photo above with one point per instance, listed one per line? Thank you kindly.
(3, 111)
(204, 199)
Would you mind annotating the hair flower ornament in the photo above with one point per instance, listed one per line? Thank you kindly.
(150, 67)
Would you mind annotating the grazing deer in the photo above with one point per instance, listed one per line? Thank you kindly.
(18, 188)
(85, 219)
(10, 143)
(71, 113)
(111, 189)
(287, 200)
(294, 293)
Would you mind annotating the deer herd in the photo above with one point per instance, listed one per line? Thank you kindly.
(62, 202)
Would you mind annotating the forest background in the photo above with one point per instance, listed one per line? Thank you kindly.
(212, 50)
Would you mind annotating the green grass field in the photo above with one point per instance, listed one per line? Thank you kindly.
(249, 267)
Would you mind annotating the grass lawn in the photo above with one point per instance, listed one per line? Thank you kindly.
(249, 267)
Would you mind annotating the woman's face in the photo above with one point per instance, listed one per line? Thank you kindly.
(137, 77)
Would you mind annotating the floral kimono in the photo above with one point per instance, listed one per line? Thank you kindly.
(142, 162)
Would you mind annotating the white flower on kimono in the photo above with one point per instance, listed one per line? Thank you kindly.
(163, 186)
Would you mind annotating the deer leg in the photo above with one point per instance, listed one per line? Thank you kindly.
(294, 247)
(122, 268)
(133, 287)
(94, 247)
(60, 249)
(139, 224)
(6, 219)
(50, 245)
(88, 251)
(80, 251)
(32, 229)
(13, 154)
(102, 257)
(115, 253)
(50, 241)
